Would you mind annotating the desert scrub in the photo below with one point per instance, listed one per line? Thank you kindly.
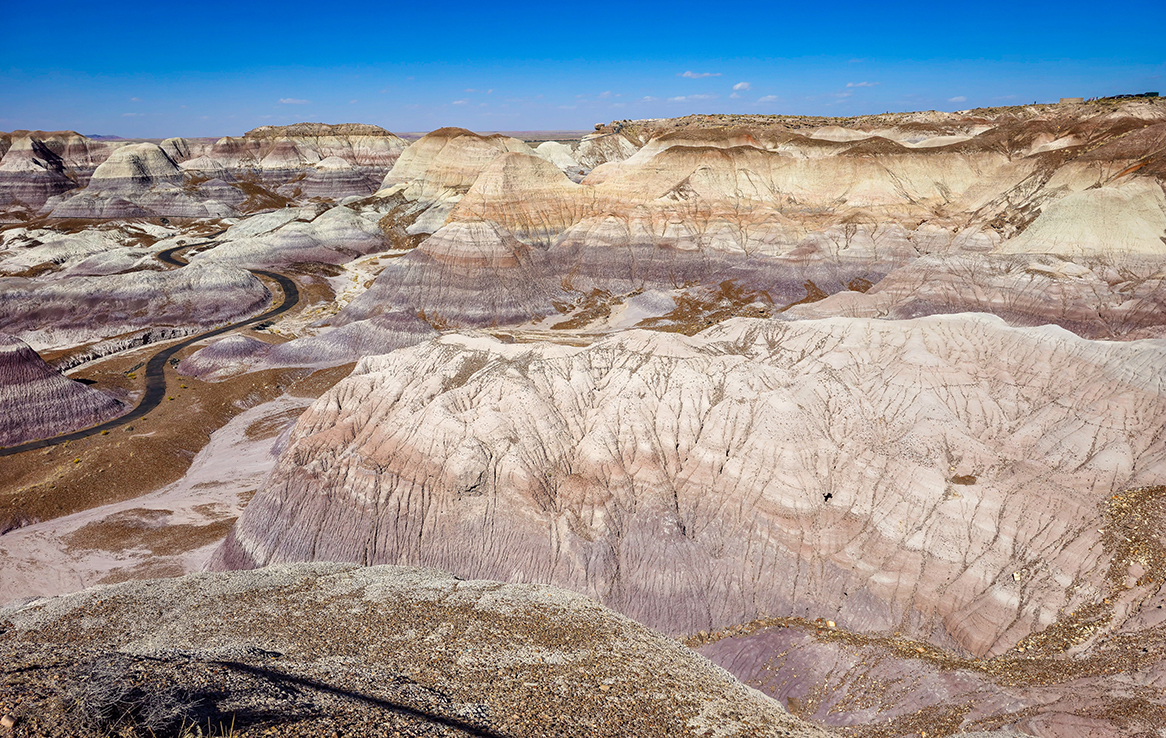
(108, 695)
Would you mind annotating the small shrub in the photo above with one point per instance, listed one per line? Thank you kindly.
(105, 694)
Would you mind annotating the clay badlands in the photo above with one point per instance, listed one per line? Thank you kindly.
(721, 425)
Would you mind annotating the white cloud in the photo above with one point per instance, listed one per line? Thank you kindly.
(767, 98)
(604, 95)
(460, 102)
(691, 98)
(351, 102)
(959, 98)
(490, 91)
(292, 101)
(742, 86)
(469, 89)
(566, 107)
(132, 115)
(649, 98)
(861, 84)
(698, 75)
(135, 99)
(734, 96)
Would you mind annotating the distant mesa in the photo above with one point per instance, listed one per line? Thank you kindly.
(317, 129)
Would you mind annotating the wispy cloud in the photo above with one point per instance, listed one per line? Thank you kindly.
(767, 98)
(742, 86)
(132, 115)
(135, 99)
(469, 89)
(691, 98)
(734, 96)
(566, 107)
(861, 84)
(351, 102)
(957, 98)
(460, 102)
(292, 101)
(649, 98)
(604, 95)
(698, 75)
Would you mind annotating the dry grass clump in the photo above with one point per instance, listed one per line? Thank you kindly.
(107, 697)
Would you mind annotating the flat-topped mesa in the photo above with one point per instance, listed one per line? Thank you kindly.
(316, 130)
(357, 143)
(40, 402)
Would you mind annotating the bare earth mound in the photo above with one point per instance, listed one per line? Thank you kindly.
(314, 650)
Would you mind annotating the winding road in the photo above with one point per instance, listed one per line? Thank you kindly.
(156, 366)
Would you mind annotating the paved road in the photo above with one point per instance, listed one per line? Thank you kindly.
(156, 366)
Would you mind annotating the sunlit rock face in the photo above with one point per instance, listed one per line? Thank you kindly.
(334, 178)
(36, 165)
(893, 475)
(309, 233)
(140, 180)
(793, 215)
(40, 402)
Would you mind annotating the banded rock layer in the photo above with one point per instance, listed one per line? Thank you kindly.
(771, 208)
(73, 311)
(892, 476)
(40, 402)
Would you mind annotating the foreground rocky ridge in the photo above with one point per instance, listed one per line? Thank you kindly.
(310, 649)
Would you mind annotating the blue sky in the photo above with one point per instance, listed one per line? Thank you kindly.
(142, 69)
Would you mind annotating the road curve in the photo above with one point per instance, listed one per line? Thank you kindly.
(156, 366)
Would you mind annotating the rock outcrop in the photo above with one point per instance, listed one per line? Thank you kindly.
(40, 402)
(236, 354)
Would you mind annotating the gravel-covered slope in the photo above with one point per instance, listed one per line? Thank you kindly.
(322, 649)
